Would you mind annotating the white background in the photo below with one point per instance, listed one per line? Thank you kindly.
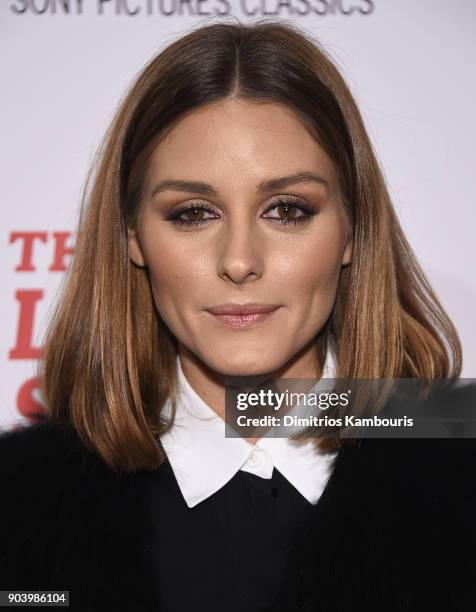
(410, 65)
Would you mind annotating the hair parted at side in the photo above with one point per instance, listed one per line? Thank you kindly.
(109, 360)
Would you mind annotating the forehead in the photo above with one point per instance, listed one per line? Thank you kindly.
(240, 139)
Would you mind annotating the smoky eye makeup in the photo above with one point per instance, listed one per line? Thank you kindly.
(290, 211)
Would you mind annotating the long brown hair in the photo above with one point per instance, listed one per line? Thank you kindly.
(109, 360)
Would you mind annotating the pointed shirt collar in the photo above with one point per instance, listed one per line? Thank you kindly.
(204, 460)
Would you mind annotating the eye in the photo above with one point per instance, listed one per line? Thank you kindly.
(193, 213)
(290, 210)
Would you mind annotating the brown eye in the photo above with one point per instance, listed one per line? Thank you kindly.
(191, 215)
(194, 214)
(286, 211)
(290, 210)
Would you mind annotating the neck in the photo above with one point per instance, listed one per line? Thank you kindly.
(210, 384)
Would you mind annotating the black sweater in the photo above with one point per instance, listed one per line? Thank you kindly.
(394, 530)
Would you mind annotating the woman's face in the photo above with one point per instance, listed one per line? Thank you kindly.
(254, 234)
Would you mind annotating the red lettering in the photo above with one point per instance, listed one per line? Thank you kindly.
(26, 263)
(61, 250)
(23, 349)
(27, 404)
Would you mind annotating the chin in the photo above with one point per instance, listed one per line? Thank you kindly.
(251, 366)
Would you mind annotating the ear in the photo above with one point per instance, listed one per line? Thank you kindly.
(347, 256)
(135, 250)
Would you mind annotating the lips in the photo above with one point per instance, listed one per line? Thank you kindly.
(242, 310)
(243, 316)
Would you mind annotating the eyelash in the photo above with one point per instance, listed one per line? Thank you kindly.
(282, 201)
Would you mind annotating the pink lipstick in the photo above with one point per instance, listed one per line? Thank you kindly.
(243, 315)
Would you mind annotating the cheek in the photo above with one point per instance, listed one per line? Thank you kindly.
(176, 274)
(310, 268)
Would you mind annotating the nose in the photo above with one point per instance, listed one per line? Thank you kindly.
(241, 251)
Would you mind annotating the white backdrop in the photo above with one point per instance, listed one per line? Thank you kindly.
(66, 63)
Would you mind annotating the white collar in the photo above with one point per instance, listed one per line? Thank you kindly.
(204, 460)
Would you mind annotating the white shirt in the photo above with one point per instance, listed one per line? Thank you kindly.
(204, 460)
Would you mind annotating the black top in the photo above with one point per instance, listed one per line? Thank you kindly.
(393, 530)
(231, 547)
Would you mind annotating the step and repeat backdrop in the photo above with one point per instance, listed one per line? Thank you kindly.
(66, 63)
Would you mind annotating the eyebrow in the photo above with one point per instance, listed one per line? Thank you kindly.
(263, 187)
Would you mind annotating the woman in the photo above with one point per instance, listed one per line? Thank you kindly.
(237, 225)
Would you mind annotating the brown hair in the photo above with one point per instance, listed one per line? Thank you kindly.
(109, 360)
